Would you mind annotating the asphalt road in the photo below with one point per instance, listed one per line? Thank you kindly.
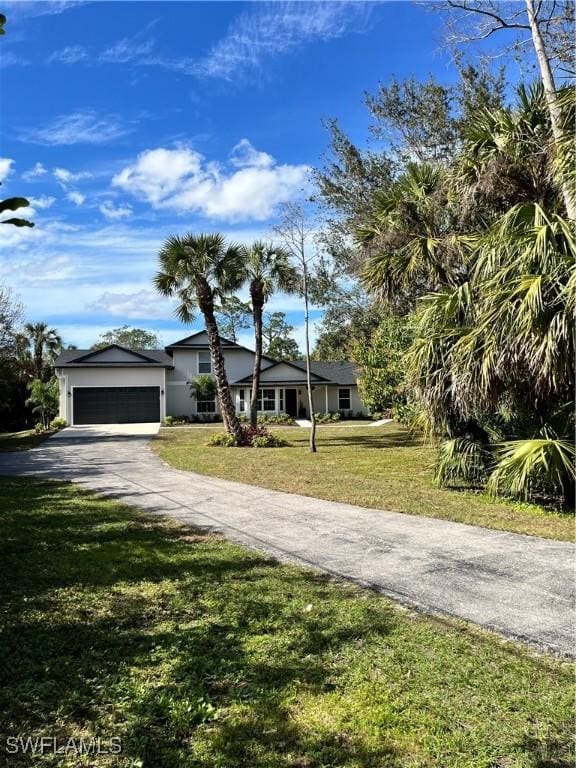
(519, 586)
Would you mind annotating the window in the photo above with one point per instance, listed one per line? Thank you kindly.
(205, 406)
(281, 408)
(204, 361)
(344, 399)
(242, 398)
(267, 400)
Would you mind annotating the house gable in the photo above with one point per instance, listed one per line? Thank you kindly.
(199, 340)
(113, 356)
(282, 372)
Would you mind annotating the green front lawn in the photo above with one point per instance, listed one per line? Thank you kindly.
(197, 653)
(382, 467)
(21, 441)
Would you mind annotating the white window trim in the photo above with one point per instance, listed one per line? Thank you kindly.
(349, 390)
(204, 373)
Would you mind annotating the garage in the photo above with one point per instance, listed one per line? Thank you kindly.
(116, 405)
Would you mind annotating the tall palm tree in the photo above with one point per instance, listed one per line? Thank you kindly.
(407, 238)
(267, 269)
(45, 344)
(198, 270)
(493, 361)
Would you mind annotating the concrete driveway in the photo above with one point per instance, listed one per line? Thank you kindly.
(519, 586)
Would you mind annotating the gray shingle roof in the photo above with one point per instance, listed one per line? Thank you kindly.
(151, 358)
(342, 373)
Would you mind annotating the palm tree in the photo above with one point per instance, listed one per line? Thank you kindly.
(493, 361)
(198, 270)
(267, 268)
(407, 238)
(45, 344)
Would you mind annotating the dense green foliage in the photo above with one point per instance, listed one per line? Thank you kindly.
(470, 232)
(131, 338)
(382, 383)
(43, 398)
(276, 337)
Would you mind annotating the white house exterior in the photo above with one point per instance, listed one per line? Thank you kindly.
(118, 385)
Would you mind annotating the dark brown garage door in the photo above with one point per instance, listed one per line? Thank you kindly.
(116, 405)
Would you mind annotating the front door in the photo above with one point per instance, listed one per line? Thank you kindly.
(291, 402)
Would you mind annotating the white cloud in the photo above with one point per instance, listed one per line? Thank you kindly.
(180, 179)
(244, 155)
(158, 173)
(140, 304)
(82, 127)
(76, 197)
(5, 168)
(42, 202)
(35, 172)
(112, 213)
(273, 29)
(71, 54)
(16, 9)
(64, 176)
(126, 50)
(10, 59)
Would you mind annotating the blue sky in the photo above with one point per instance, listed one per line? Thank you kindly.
(124, 122)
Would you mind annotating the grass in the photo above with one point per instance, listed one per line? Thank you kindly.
(382, 467)
(197, 653)
(21, 441)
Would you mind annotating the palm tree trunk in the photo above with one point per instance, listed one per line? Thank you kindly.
(227, 409)
(38, 357)
(257, 308)
(551, 98)
(312, 443)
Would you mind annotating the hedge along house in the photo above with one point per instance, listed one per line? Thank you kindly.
(118, 385)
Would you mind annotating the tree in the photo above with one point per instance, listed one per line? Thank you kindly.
(44, 397)
(199, 270)
(296, 234)
(12, 382)
(276, 338)
(492, 364)
(267, 268)
(131, 338)
(382, 382)
(232, 316)
(44, 344)
(418, 122)
(551, 30)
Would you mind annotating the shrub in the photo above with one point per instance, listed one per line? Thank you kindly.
(255, 437)
(404, 413)
(268, 441)
(221, 439)
(58, 423)
(171, 421)
(39, 428)
(276, 418)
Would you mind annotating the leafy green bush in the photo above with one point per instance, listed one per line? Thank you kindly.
(326, 418)
(39, 428)
(403, 412)
(276, 418)
(58, 423)
(221, 439)
(268, 441)
(252, 437)
(171, 421)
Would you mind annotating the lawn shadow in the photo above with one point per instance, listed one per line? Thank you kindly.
(117, 624)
